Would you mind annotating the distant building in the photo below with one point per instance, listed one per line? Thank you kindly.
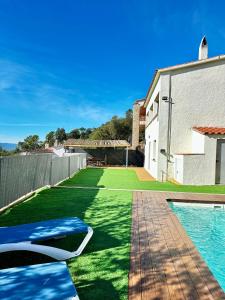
(138, 122)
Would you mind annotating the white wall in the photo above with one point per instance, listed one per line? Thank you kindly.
(198, 142)
(190, 169)
(178, 168)
(198, 169)
(163, 125)
(198, 94)
(151, 135)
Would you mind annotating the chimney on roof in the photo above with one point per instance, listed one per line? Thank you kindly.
(203, 49)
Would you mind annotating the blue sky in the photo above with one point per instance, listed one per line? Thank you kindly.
(73, 63)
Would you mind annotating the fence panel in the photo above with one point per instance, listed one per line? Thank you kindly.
(83, 160)
(78, 161)
(74, 164)
(59, 169)
(20, 175)
(42, 171)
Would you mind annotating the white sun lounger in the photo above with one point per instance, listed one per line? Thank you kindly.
(51, 281)
(24, 237)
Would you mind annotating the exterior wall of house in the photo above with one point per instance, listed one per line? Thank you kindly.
(152, 136)
(198, 168)
(188, 169)
(151, 148)
(198, 94)
(157, 130)
(163, 128)
(179, 168)
(198, 142)
(199, 100)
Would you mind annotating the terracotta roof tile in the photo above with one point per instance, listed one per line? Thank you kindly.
(210, 130)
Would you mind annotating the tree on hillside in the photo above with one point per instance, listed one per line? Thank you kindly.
(129, 118)
(81, 133)
(115, 129)
(50, 138)
(60, 135)
(73, 134)
(30, 143)
(85, 132)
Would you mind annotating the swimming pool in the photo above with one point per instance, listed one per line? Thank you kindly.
(205, 225)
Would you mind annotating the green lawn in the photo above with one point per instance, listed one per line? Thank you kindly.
(127, 179)
(101, 272)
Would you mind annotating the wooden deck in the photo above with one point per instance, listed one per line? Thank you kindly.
(164, 262)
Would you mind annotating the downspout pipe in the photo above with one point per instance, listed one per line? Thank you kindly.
(170, 103)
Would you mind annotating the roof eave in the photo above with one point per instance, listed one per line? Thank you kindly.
(152, 87)
(176, 67)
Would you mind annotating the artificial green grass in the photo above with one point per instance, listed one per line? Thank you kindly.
(101, 272)
(127, 179)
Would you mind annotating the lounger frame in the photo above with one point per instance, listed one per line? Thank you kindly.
(54, 252)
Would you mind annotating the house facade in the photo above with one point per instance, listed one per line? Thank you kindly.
(185, 122)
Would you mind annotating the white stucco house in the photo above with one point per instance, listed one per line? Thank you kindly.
(185, 121)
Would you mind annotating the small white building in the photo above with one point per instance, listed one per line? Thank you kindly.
(185, 121)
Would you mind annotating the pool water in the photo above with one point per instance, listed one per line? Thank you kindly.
(205, 225)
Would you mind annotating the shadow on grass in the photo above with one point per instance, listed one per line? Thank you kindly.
(87, 177)
(98, 288)
(102, 269)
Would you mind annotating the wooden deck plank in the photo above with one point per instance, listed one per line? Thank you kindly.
(191, 276)
(160, 283)
(164, 262)
(135, 269)
(167, 269)
(148, 279)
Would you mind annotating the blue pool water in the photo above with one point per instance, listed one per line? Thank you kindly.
(205, 225)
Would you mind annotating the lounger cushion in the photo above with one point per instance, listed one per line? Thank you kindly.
(42, 230)
(50, 281)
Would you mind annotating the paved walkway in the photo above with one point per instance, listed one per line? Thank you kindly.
(143, 175)
(164, 262)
